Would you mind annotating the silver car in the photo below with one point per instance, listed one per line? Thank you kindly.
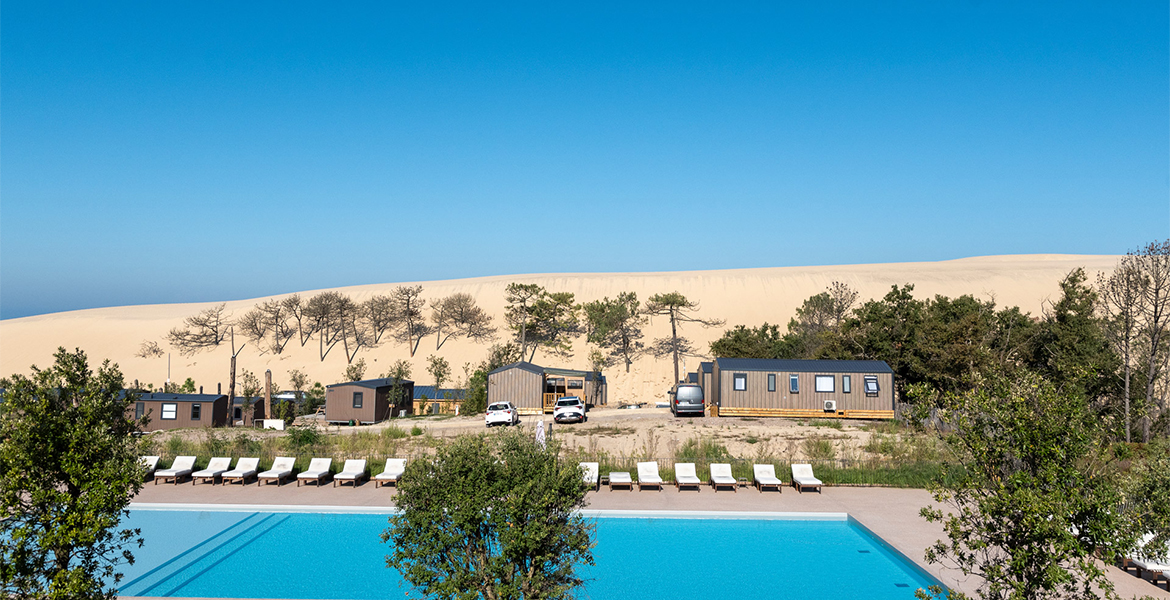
(688, 399)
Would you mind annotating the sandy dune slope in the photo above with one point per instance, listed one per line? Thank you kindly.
(739, 296)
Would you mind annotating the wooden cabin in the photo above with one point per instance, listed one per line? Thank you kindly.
(841, 389)
(533, 389)
(429, 400)
(178, 411)
(368, 401)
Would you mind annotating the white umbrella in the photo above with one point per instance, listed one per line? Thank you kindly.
(540, 433)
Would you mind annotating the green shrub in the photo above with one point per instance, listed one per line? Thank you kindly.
(819, 448)
(301, 437)
(416, 430)
(830, 423)
(394, 432)
(702, 449)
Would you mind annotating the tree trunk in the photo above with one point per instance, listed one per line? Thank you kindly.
(232, 394)
(1127, 376)
(674, 345)
(268, 394)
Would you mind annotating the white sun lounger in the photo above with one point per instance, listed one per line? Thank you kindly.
(591, 475)
(648, 476)
(721, 477)
(317, 471)
(245, 469)
(620, 478)
(282, 468)
(684, 474)
(216, 467)
(1159, 569)
(765, 476)
(353, 472)
(181, 468)
(395, 467)
(802, 477)
(150, 463)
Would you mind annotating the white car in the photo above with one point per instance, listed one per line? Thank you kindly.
(501, 413)
(569, 409)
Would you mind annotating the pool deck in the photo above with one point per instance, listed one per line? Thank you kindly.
(890, 513)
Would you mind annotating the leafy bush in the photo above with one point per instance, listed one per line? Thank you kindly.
(301, 437)
(702, 449)
(394, 432)
(416, 430)
(819, 448)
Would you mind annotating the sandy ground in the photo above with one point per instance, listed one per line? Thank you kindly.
(743, 296)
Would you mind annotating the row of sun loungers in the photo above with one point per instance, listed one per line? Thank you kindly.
(219, 469)
(354, 471)
(685, 476)
(1159, 571)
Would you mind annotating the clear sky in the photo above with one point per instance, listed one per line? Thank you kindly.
(191, 151)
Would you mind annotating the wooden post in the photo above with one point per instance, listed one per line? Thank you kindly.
(232, 396)
(268, 394)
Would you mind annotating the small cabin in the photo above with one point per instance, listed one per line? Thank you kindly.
(368, 401)
(429, 400)
(843, 389)
(179, 411)
(533, 389)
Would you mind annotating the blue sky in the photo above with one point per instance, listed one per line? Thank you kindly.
(190, 151)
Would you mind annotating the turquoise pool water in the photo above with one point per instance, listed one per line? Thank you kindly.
(313, 555)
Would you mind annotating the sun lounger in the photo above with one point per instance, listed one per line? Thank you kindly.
(802, 477)
(317, 471)
(181, 468)
(245, 469)
(150, 463)
(765, 477)
(684, 474)
(216, 467)
(354, 471)
(395, 467)
(721, 477)
(648, 476)
(620, 478)
(591, 475)
(1159, 569)
(282, 468)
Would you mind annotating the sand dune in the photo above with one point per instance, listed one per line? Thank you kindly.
(739, 296)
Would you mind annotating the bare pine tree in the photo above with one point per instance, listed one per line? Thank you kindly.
(680, 310)
(1121, 292)
(520, 298)
(296, 311)
(456, 316)
(380, 317)
(409, 325)
(1153, 314)
(354, 324)
(322, 315)
(149, 349)
(207, 329)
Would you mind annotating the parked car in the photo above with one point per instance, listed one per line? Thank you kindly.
(570, 409)
(501, 413)
(688, 398)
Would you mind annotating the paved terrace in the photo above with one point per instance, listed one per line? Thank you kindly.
(890, 513)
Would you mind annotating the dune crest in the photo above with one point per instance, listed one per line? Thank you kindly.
(739, 296)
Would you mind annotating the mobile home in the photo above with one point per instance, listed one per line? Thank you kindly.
(368, 401)
(178, 411)
(533, 389)
(844, 389)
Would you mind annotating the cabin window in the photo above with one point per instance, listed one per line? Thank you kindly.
(871, 386)
(771, 382)
(170, 411)
(139, 409)
(357, 399)
(576, 384)
(826, 384)
(196, 411)
(239, 413)
(739, 382)
(846, 384)
(793, 384)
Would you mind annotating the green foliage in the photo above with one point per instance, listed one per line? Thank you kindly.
(764, 341)
(314, 398)
(68, 469)
(491, 517)
(616, 326)
(819, 448)
(439, 369)
(302, 437)
(1031, 505)
(416, 430)
(355, 371)
(1148, 488)
(475, 399)
(188, 386)
(1071, 347)
(702, 449)
(829, 423)
(394, 432)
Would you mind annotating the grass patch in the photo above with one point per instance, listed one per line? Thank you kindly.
(830, 423)
(416, 431)
(819, 448)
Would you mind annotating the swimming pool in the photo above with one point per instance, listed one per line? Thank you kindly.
(260, 554)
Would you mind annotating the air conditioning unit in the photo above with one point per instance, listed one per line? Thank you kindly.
(830, 405)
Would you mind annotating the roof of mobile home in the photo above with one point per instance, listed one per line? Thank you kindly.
(803, 366)
(373, 383)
